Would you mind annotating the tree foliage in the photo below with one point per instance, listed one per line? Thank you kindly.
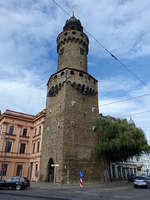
(119, 140)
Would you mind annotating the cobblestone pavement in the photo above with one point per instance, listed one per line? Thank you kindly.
(117, 191)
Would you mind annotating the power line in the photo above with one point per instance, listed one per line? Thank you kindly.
(108, 51)
(128, 99)
(139, 113)
(117, 59)
(61, 7)
(132, 114)
(136, 113)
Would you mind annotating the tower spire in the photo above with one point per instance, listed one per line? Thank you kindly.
(73, 8)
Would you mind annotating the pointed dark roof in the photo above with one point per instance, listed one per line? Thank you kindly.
(73, 24)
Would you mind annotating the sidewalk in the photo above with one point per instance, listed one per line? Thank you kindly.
(47, 185)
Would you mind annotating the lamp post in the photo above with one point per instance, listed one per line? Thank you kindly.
(68, 172)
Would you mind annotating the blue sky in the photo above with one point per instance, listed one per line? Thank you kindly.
(28, 52)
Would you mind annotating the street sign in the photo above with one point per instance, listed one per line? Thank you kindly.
(54, 165)
(81, 174)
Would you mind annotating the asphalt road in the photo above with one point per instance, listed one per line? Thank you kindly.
(114, 191)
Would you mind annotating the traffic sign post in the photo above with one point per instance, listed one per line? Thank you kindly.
(55, 167)
(81, 181)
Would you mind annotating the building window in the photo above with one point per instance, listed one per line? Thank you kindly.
(19, 170)
(11, 130)
(8, 146)
(35, 131)
(4, 169)
(33, 147)
(81, 51)
(61, 52)
(24, 132)
(39, 130)
(22, 147)
(38, 146)
(36, 170)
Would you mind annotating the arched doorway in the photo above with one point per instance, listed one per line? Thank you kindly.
(51, 171)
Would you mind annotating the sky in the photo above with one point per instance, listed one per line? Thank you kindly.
(28, 31)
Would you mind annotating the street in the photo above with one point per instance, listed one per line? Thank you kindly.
(118, 190)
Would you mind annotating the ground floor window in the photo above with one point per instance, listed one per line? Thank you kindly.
(36, 170)
(4, 169)
(19, 170)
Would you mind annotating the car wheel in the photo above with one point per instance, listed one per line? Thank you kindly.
(18, 187)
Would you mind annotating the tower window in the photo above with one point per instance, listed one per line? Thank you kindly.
(73, 32)
(80, 74)
(81, 51)
(62, 73)
(72, 72)
(65, 33)
(61, 52)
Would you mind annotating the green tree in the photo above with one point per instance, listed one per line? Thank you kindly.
(118, 140)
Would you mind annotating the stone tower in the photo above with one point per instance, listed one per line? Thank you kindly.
(69, 138)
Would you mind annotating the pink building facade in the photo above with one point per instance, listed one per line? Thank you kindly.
(20, 144)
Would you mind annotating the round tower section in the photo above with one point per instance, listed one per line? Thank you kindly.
(72, 46)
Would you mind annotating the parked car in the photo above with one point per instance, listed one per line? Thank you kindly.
(17, 183)
(131, 177)
(142, 181)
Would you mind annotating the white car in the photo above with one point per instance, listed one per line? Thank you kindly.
(142, 181)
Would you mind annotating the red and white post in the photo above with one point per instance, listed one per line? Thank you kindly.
(81, 183)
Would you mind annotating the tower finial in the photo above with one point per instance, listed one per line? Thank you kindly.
(73, 8)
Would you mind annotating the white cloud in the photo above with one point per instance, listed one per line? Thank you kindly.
(122, 27)
(117, 83)
(126, 108)
(28, 49)
(22, 95)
